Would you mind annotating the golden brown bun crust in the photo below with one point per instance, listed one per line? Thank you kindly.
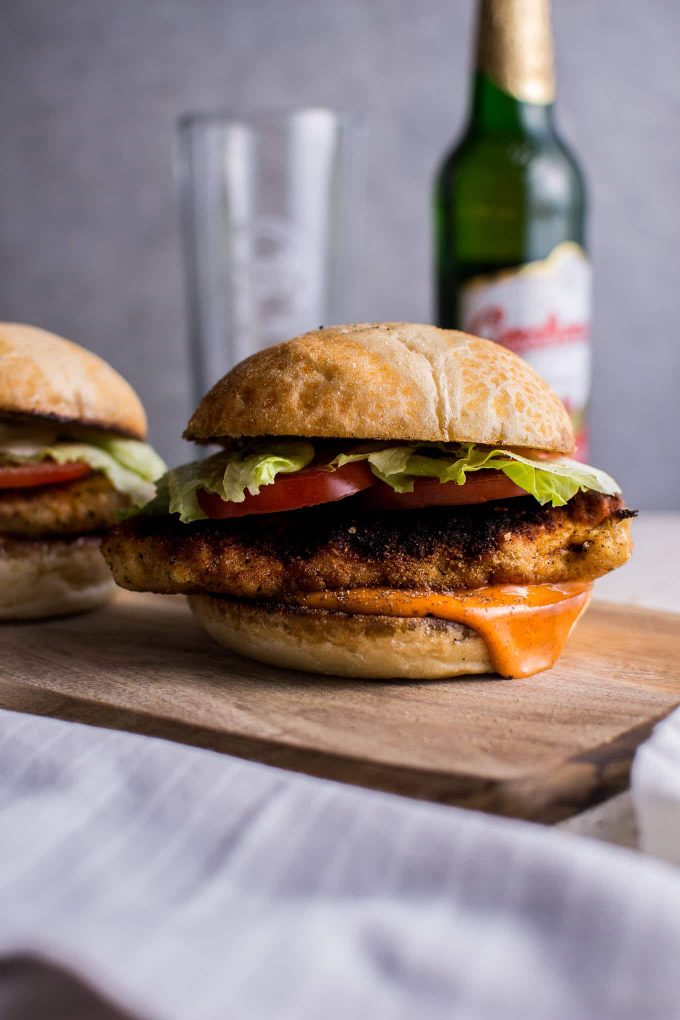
(45, 375)
(368, 647)
(388, 380)
(52, 578)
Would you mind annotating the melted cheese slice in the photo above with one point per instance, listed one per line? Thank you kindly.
(525, 627)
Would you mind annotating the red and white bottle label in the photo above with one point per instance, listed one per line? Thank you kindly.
(542, 312)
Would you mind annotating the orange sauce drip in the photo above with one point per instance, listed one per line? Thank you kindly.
(525, 627)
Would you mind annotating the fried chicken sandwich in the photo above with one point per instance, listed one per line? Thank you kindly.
(391, 500)
(72, 456)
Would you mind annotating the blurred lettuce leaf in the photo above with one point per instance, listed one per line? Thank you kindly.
(132, 467)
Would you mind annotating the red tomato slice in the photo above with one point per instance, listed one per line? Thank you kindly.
(479, 487)
(308, 487)
(27, 476)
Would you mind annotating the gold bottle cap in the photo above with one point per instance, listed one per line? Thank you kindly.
(514, 48)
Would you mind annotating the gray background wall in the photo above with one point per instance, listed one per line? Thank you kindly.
(89, 91)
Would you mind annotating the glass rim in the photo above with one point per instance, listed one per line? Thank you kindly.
(262, 115)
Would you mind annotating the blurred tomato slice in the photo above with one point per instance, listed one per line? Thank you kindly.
(27, 476)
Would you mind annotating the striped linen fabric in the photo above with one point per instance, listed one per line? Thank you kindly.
(139, 878)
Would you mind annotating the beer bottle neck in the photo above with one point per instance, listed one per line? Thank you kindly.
(514, 85)
(497, 112)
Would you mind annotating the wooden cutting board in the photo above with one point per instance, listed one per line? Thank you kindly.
(542, 748)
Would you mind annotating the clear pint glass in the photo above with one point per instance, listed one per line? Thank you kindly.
(265, 206)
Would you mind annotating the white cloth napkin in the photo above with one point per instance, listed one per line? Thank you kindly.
(655, 787)
(179, 883)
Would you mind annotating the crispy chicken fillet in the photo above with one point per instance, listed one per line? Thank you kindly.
(86, 505)
(342, 545)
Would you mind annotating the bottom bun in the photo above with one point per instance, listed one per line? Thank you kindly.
(339, 644)
(52, 577)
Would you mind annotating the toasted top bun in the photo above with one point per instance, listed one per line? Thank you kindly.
(43, 374)
(386, 380)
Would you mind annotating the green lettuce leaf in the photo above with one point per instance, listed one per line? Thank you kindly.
(230, 474)
(262, 467)
(554, 481)
(135, 482)
(131, 467)
(138, 457)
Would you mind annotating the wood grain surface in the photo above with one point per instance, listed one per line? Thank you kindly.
(542, 748)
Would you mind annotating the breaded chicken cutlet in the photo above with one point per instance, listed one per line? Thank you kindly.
(343, 546)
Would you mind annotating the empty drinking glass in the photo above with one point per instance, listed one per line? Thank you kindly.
(265, 204)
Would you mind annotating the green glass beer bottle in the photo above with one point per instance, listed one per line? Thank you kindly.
(510, 211)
